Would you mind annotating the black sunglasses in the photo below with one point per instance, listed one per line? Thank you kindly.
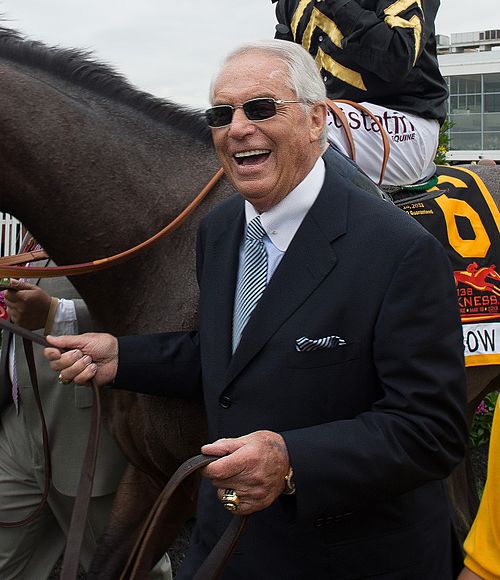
(255, 110)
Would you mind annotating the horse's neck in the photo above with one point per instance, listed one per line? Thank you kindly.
(89, 178)
(82, 156)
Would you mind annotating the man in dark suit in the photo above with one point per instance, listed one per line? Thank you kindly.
(348, 369)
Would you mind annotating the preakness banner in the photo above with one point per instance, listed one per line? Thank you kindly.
(481, 342)
(465, 218)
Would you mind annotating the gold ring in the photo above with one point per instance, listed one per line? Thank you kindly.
(63, 381)
(230, 500)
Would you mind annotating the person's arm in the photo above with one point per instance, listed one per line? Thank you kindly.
(416, 431)
(159, 364)
(482, 552)
(386, 41)
(28, 305)
(255, 465)
(80, 314)
(65, 319)
(84, 357)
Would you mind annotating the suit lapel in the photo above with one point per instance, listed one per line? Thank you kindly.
(308, 260)
(223, 269)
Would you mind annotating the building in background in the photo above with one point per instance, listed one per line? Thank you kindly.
(470, 62)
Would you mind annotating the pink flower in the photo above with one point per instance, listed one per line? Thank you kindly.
(3, 307)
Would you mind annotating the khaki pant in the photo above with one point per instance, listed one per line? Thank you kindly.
(31, 552)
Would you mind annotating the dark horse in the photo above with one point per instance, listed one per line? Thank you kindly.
(92, 167)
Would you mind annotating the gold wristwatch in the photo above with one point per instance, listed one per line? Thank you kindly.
(289, 483)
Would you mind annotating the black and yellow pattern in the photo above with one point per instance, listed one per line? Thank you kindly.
(464, 217)
(377, 51)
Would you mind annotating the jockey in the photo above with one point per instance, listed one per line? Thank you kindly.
(382, 55)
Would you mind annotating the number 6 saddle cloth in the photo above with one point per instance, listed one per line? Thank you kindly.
(461, 213)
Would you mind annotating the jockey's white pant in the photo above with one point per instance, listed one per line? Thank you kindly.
(413, 143)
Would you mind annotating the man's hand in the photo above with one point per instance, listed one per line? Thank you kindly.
(28, 305)
(254, 466)
(90, 356)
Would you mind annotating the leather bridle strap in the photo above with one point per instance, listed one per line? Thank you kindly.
(23, 258)
(103, 263)
(337, 111)
(79, 515)
(28, 349)
(76, 532)
(212, 567)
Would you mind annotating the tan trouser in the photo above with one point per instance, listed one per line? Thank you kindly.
(31, 552)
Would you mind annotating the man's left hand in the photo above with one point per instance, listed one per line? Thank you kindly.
(28, 305)
(254, 466)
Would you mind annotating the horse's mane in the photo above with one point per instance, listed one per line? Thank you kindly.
(79, 67)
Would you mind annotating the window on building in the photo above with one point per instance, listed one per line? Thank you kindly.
(492, 83)
(465, 123)
(465, 104)
(491, 141)
(474, 111)
(492, 103)
(465, 140)
(465, 85)
(492, 122)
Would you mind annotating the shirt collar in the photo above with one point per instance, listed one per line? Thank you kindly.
(282, 221)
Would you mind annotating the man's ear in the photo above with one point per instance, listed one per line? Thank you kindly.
(317, 114)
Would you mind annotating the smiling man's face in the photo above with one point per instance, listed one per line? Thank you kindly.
(265, 160)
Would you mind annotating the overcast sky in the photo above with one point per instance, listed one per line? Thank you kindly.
(171, 47)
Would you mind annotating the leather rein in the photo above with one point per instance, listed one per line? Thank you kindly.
(341, 116)
(8, 270)
(28, 338)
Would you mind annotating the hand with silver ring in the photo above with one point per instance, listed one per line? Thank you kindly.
(63, 381)
(230, 500)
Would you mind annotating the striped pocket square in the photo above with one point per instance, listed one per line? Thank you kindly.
(304, 344)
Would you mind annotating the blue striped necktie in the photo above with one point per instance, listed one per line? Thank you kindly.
(253, 280)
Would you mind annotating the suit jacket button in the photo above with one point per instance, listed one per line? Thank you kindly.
(225, 402)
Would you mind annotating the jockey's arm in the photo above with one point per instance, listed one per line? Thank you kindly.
(387, 40)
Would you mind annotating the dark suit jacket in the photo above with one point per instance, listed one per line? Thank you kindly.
(372, 427)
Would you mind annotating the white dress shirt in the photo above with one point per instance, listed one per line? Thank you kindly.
(282, 221)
